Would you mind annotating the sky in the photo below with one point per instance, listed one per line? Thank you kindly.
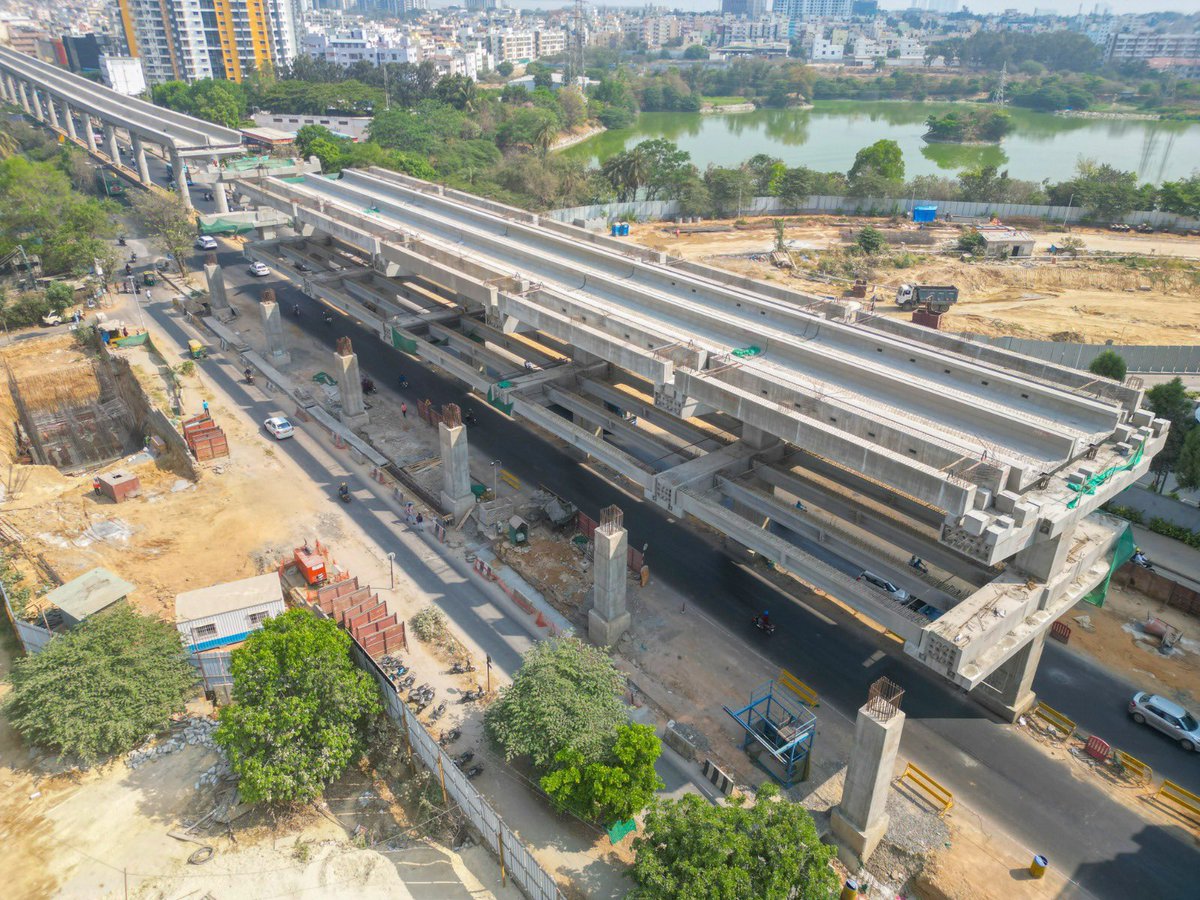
(984, 6)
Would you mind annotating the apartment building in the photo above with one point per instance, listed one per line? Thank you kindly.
(1177, 52)
(659, 30)
(189, 40)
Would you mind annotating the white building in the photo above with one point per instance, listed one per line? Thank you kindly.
(353, 127)
(227, 613)
(123, 74)
(826, 51)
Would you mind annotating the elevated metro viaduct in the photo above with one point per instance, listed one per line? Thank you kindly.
(58, 99)
(821, 438)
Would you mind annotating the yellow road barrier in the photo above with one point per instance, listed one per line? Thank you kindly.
(1181, 797)
(1055, 718)
(935, 792)
(1134, 767)
(806, 694)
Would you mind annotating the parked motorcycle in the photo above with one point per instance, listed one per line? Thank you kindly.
(406, 681)
(438, 711)
(463, 758)
(476, 769)
(449, 737)
(471, 696)
(344, 492)
(461, 668)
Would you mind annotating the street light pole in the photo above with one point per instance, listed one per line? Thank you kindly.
(495, 477)
(489, 673)
(391, 558)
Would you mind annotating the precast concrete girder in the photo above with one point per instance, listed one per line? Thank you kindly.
(915, 478)
(611, 422)
(443, 359)
(895, 531)
(479, 354)
(693, 436)
(699, 474)
(789, 517)
(581, 439)
(814, 572)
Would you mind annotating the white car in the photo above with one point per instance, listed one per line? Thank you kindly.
(279, 427)
(206, 242)
(258, 268)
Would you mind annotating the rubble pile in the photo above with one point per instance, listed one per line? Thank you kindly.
(186, 733)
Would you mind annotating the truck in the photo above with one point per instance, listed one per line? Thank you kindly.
(937, 298)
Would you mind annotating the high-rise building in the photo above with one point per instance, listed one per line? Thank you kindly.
(801, 10)
(751, 9)
(187, 40)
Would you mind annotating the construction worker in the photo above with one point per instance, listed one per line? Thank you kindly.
(96, 486)
(404, 410)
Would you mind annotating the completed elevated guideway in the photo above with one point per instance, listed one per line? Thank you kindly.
(980, 460)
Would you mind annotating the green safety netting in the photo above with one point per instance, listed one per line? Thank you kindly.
(325, 378)
(743, 352)
(619, 829)
(225, 226)
(1089, 486)
(1122, 552)
(400, 342)
(496, 401)
(295, 179)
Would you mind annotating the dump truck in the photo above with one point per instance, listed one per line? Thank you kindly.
(937, 298)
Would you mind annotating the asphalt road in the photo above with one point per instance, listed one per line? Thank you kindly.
(1106, 848)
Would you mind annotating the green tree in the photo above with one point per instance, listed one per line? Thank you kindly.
(59, 296)
(299, 710)
(1170, 401)
(170, 224)
(574, 106)
(971, 241)
(1187, 468)
(730, 189)
(1108, 364)
(880, 164)
(695, 51)
(613, 789)
(505, 68)
(102, 687)
(456, 90)
(871, 240)
(691, 850)
(565, 696)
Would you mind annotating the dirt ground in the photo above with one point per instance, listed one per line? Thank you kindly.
(1115, 636)
(1088, 299)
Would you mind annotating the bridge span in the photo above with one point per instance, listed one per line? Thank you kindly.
(827, 440)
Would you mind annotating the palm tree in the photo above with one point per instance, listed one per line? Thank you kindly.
(544, 136)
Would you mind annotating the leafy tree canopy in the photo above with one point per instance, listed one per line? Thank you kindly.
(692, 850)
(883, 159)
(1108, 364)
(871, 240)
(613, 789)
(102, 687)
(565, 696)
(299, 711)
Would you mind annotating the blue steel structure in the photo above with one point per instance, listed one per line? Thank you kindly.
(780, 724)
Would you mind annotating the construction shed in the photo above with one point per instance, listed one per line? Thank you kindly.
(1005, 243)
(88, 594)
(226, 613)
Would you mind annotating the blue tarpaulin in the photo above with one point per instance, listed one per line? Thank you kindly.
(924, 213)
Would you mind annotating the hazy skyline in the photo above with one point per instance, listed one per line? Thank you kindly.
(980, 6)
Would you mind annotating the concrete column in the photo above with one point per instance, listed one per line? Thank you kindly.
(52, 110)
(273, 328)
(6, 88)
(217, 297)
(180, 179)
(69, 118)
(860, 820)
(111, 145)
(36, 100)
(89, 134)
(1008, 691)
(1045, 559)
(221, 198)
(354, 411)
(608, 618)
(139, 153)
(25, 90)
(457, 499)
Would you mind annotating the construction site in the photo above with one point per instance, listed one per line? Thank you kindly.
(1128, 288)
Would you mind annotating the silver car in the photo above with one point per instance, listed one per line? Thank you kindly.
(896, 593)
(1169, 718)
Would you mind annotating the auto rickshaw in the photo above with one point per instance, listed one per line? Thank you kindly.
(197, 350)
(149, 279)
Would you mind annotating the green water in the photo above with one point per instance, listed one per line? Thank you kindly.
(827, 137)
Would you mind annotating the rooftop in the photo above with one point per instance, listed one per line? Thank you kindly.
(228, 597)
(89, 593)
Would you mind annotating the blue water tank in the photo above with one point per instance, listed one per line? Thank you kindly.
(624, 229)
(924, 213)
(615, 231)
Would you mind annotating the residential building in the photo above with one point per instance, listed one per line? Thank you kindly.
(193, 39)
(82, 52)
(751, 9)
(353, 127)
(1177, 52)
(801, 10)
(659, 30)
(549, 42)
(826, 51)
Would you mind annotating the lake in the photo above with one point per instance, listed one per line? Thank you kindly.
(827, 136)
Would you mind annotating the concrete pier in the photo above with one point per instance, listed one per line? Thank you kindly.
(608, 618)
(354, 410)
(457, 499)
(217, 298)
(860, 820)
(273, 328)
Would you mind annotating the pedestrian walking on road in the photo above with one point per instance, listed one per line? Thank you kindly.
(420, 522)
(404, 410)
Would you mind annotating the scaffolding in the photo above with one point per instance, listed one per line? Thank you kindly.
(781, 725)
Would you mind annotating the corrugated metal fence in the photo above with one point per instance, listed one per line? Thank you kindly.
(515, 858)
(1147, 360)
(666, 209)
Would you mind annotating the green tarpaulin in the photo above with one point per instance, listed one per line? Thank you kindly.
(1089, 486)
(1122, 551)
(400, 342)
(619, 829)
(225, 226)
(494, 398)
